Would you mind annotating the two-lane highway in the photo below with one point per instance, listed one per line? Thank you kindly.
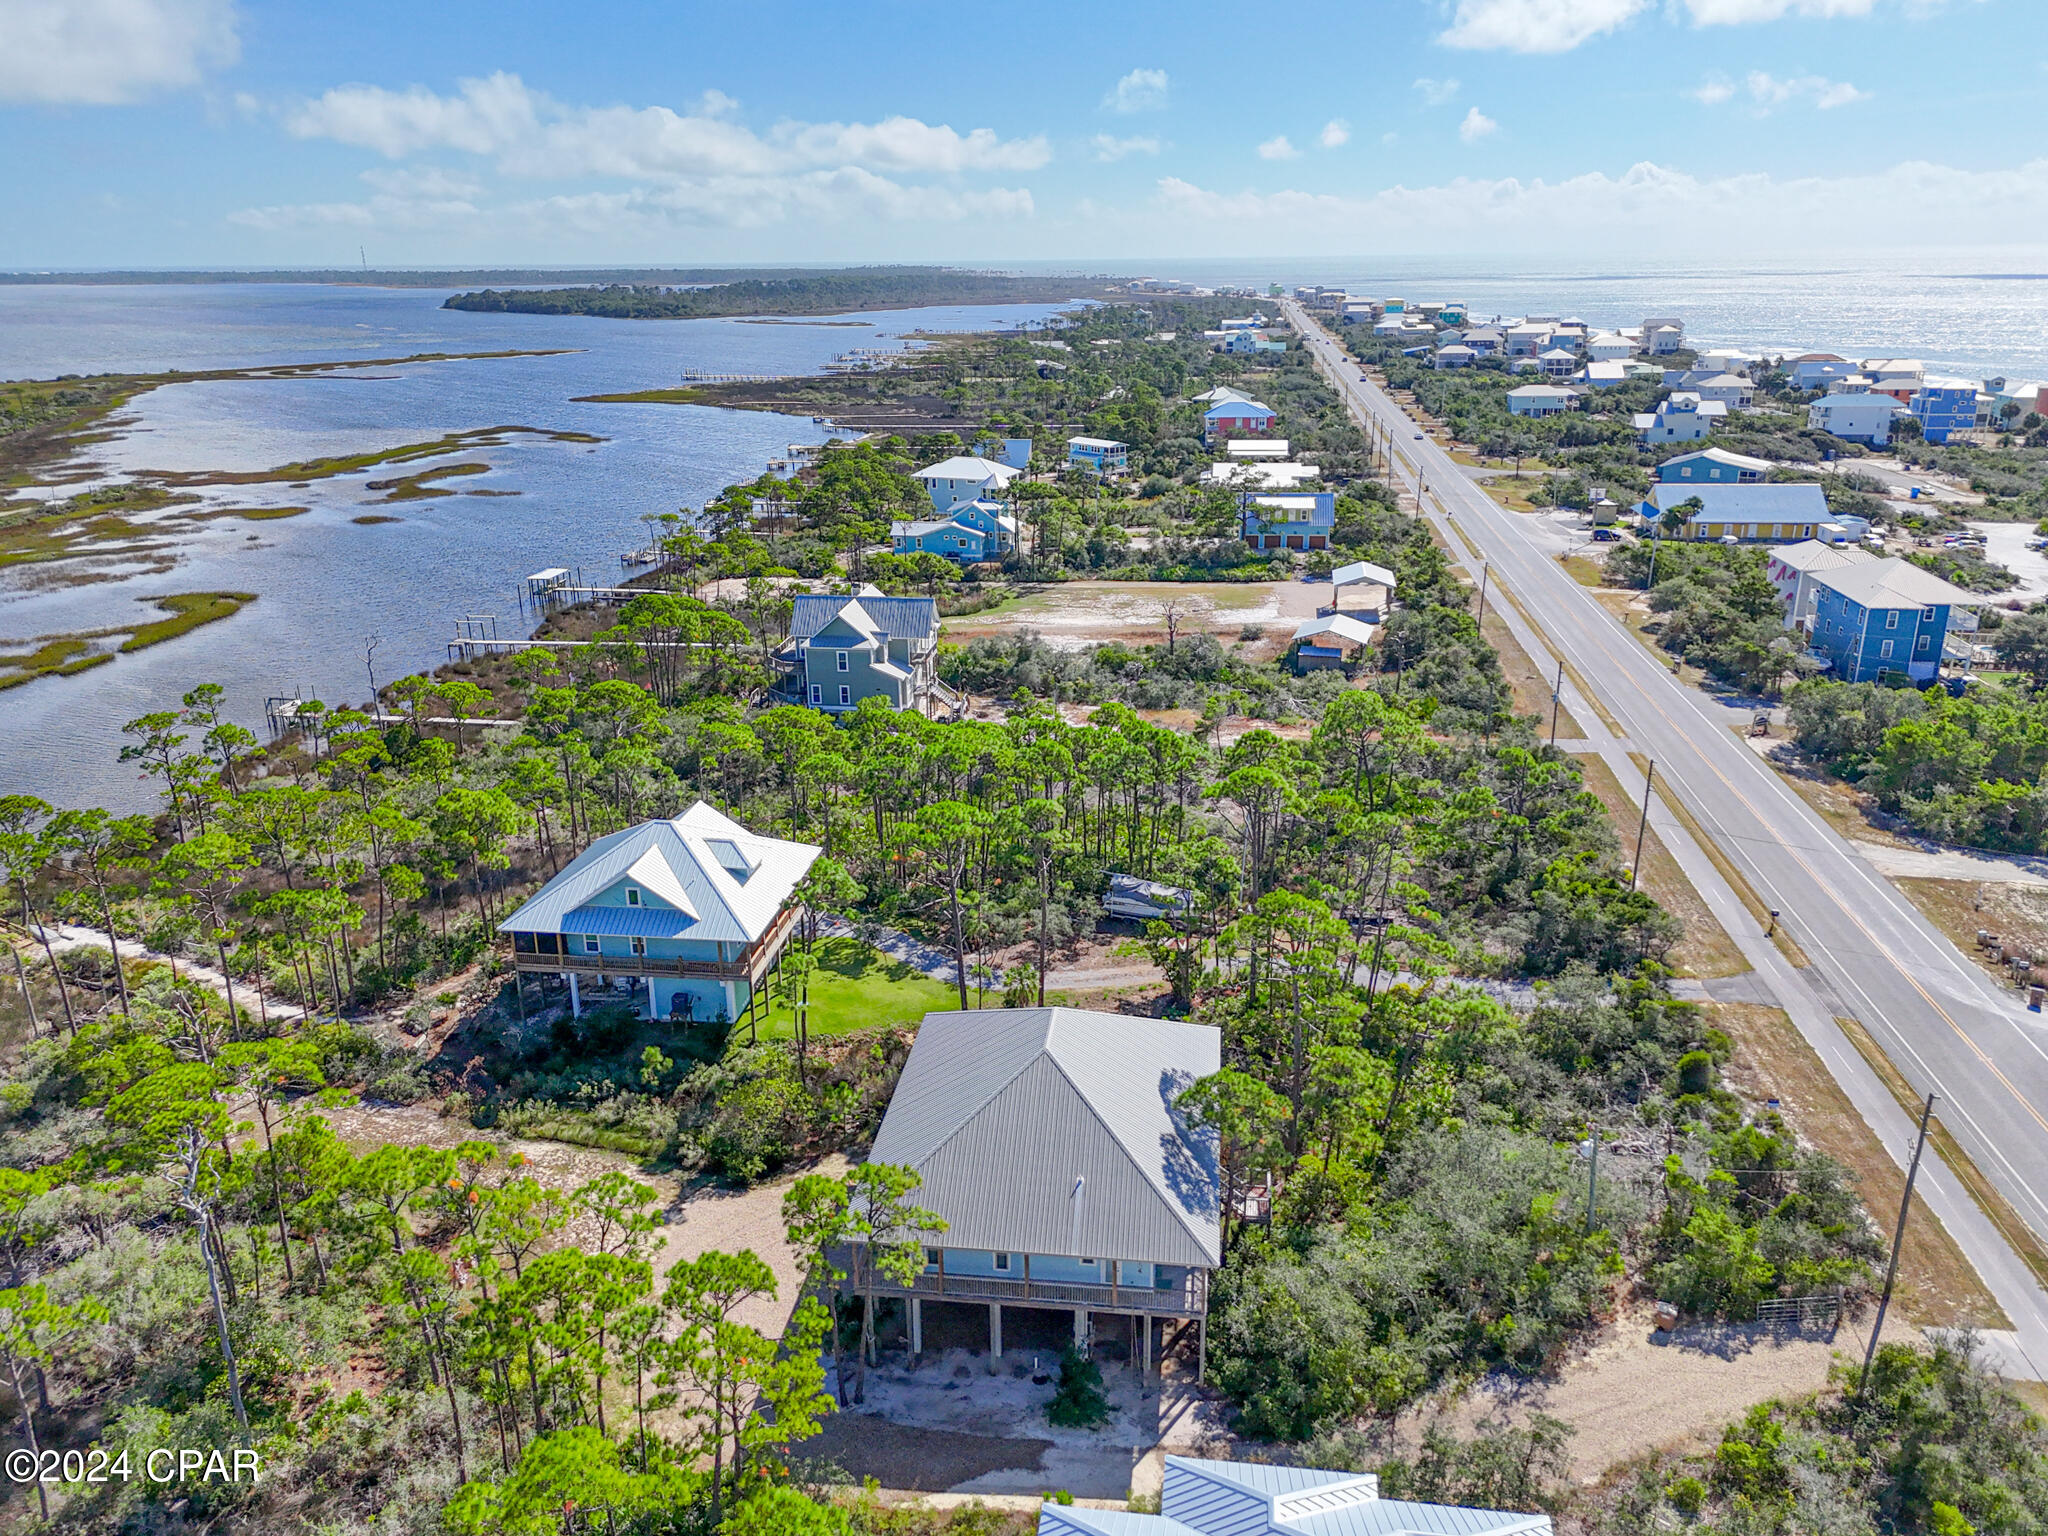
(1945, 1025)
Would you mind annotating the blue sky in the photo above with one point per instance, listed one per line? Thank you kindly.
(236, 132)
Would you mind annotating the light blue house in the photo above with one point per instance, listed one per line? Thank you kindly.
(690, 915)
(1240, 1498)
(947, 538)
(1013, 451)
(845, 649)
(1098, 455)
(1883, 616)
(1288, 519)
(1714, 466)
(1944, 407)
(1048, 1141)
(1817, 370)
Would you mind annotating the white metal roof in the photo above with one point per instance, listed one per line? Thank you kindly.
(1812, 555)
(1053, 1131)
(1256, 447)
(674, 862)
(969, 467)
(1341, 625)
(1362, 570)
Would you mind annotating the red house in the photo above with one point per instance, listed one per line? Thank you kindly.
(1237, 418)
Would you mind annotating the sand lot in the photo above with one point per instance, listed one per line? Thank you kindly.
(1078, 613)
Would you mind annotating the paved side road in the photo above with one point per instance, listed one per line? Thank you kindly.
(1944, 1025)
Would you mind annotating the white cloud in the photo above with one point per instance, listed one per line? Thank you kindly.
(1277, 148)
(1477, 125)
(701, 165)
(1142, 90)
(1335, 135)
(841, 196)
(1648, 209)
(103, 52)
(1768, 91)
(1536, 26)
(531, 134)
(1437, 93)
(1108, 147)
(1737, 13)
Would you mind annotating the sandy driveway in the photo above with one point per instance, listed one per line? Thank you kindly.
(1635, 1390)
(696, 1218)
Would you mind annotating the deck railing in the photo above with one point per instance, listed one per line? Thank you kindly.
(1188, 1298)
(751, 965)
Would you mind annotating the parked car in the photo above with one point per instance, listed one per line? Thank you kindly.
(1606, 535)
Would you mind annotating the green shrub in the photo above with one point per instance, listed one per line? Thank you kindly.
(1078, 1401)
(1687, 1495)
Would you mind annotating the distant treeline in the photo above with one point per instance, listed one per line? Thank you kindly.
(807, 293)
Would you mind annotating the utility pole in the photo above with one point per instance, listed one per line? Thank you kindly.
(1592, 1177)
(1485, 572)
(1643, 826)
(1556, 693)
(1891, 1272)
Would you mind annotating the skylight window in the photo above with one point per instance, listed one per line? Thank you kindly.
(731, 858)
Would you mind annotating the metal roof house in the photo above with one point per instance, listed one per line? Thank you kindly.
(964, 478)
(1288, 519)
(1098, 455)
(1885, 616)
(1237, 417)
(1794, 510)
(691, 914)
(1795, 568)
(1048, 1140)
(845, 649)
(1239, 1498)
(1714, 466)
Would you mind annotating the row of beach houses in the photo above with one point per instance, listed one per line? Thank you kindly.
(1078, 1201)
(1861, 400)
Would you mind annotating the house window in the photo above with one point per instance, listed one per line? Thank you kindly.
(1891, 619)
(1884, 652)
(1002, 1263)
(845, 694)
(1927, 614)
(632, 895)
(844, 664)
(1089, 1262)
(639, 945)
(817, 694)
(590, 943)
(931, 1258)
(1922, 643)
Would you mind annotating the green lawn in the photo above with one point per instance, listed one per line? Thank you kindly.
(856, 987)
